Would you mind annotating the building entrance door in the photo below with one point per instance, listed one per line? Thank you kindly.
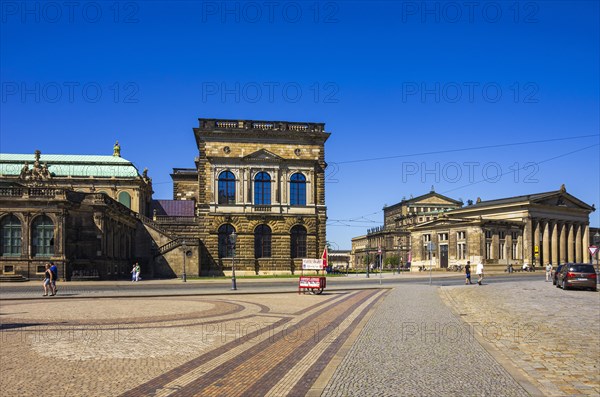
(444, 256)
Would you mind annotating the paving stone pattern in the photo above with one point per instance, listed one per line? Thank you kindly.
(252, 345)
(551, 335)
(413, 346)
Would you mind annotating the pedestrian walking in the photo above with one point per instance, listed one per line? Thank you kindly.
(479, 273)
(54, 270)
(134, 273)
(47, 280)
(548, 272)
(468, 273)
(138, 272)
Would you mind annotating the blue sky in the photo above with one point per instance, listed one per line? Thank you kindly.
(457, 95)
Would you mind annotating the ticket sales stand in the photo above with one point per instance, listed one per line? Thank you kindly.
(313, 284)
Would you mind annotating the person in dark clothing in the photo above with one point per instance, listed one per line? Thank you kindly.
(54, 271)
(468, 273)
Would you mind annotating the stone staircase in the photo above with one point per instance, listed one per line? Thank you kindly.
(12, 278)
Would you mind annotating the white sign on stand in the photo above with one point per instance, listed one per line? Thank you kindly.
(593, 249)
(312, 264)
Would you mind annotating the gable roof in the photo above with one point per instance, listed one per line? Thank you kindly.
(173, 207)
(536, 198)
(61, 165)
(423, 197)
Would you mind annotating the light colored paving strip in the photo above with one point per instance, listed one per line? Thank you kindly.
(244, 375)
(285, 385)
(175, 385)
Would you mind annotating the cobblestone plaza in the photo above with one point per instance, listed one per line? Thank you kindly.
(406, 340)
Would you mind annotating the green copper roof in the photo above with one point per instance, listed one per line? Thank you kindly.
(61, 165)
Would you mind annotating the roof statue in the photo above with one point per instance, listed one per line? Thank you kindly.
(37, 173)
(563, 189)
(117, 149)
(145, 176)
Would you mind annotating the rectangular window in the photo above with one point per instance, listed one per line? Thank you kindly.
(443, 236)
(502, 235)
(501, 253)
(514, 235)
(488, 250)
(461, 235)
(514, 251)
(461, 250)
(488, 234)
(426, 238)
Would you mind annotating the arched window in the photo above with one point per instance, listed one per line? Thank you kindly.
(298, 189)
(11, 236)
(42, 233)
(225, 247)
(125, 199)
(298, 242)
(226, 188)
(262, 189)
(262, 241)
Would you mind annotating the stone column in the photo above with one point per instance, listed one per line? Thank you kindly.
(570, 240)
(25, 237)
(545, 257)
(554, 259)
(276, 197)
(527, 252)
(536, 240)
(563, 243)
(586, 244)
(578, 244)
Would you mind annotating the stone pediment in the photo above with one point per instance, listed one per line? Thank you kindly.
(263, 155)
(563, 200)
(433, 198)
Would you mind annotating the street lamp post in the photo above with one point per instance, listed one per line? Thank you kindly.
(184, 246)
(232, 239)
(596, 242)
(367, 263)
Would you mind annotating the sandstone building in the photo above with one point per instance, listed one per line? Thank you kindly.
(549, 227)
(78, 211)
(263, 180)
(94, 215)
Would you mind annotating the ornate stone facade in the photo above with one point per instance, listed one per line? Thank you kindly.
(393, 239)
(551, 227)
(264, 180)
(78, 211)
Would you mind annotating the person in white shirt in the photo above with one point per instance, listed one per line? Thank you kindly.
(548, 271)
(479, 273)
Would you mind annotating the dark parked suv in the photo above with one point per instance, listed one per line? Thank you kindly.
(577, 275)
(555, 273)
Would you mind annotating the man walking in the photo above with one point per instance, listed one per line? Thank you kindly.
(479, 273)
(548, 271)
(54, 270)
(468, 273)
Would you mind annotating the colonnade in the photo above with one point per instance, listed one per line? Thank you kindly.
(556, 241)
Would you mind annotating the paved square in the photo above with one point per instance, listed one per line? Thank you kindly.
(272, 344)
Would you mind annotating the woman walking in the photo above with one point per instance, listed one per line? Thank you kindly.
(48, 280)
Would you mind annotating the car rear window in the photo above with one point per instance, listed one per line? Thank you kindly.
(582, 268)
